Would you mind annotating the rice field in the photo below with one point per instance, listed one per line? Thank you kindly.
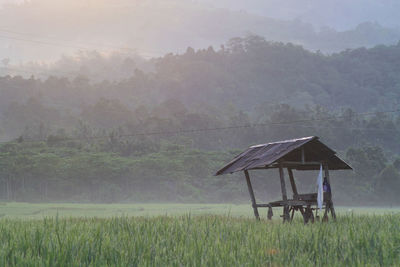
(355, 239)
(21, 210)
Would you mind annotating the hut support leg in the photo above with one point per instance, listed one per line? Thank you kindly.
(286, 215)
(332, 211)
(327, 208)
(308, 215)
(291, 217)
(270, 213)
(253, 199)
(292, 182)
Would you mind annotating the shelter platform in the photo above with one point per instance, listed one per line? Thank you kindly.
(306, 204)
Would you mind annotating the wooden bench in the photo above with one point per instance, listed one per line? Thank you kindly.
(305, 203)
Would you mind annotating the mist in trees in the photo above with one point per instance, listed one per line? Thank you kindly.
(160, 133)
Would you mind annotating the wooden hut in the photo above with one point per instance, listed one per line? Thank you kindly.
(307, 153)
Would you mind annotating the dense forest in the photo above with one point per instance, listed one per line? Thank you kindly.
(161, 134)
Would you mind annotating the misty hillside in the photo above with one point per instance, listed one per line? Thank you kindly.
(172, 125)
(247, 73)
(43, 30)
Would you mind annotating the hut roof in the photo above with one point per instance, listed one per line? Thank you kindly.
(305, 153)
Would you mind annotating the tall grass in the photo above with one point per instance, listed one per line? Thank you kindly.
(200, 241)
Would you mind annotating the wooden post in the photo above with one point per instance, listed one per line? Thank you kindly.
(294, 188)
(283, 186)
(330, 203)
(253, 199)
(292, 182)
(286, 215)
(303, 155)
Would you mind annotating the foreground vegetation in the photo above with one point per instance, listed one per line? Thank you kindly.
(194, 241)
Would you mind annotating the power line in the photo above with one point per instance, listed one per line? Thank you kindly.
(183, 131)
(80, 45)
(54, 42)
(49, 73)
(280, 124)
(60, 40)
(43, 42)
(57, 42)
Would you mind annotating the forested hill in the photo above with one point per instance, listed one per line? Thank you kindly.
(165, 132)
(246, 72)
(251, 71)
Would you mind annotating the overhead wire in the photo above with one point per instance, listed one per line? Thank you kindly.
(44, 73)
(82, 46)
(183, 131)
(56, 42)
(59, 40)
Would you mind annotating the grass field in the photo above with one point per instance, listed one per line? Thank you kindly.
(41, 210)
(191, 235)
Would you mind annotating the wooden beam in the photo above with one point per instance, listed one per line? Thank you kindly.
(286, 215)
(292, 182)
(253, 198)
(307, 163)
(263, 205)
(289, 164)
(283, 186)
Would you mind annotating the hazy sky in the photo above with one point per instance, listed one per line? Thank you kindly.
(45, 29)
(340, 14)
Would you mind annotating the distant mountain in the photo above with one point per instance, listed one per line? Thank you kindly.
(338, 14)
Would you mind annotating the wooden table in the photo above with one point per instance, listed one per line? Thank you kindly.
(305, 203)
